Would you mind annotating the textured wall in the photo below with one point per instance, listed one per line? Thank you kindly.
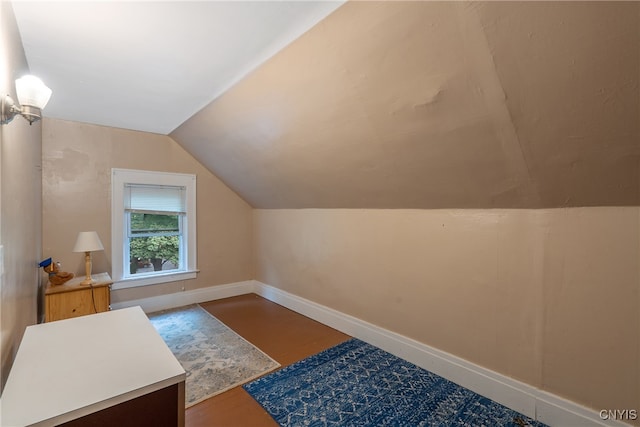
(437, 105)
(20, 203)
(550, 297)
(77, 162)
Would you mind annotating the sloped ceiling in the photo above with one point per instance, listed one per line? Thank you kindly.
(437, 105)
(150, 65)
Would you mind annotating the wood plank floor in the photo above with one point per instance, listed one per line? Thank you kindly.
(283, 334)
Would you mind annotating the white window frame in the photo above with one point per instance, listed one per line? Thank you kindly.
(121, 177)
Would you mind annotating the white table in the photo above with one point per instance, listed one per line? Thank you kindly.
(79, 367)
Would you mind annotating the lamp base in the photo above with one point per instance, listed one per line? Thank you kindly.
(87, 265)
(88, 281)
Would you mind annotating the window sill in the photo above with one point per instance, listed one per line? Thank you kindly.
(133, 282)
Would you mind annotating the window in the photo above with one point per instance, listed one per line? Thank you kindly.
(153, 227)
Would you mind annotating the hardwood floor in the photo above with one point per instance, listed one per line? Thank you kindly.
(283, 334)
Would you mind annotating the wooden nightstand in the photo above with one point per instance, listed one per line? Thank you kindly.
(72, 299)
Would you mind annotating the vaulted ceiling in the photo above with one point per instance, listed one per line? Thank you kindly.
(436, 105)
(150, 65)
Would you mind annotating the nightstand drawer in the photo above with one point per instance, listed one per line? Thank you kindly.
(73, 300)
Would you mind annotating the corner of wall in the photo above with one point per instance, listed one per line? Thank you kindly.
(20, 203)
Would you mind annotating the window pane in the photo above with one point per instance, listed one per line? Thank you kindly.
(156, 253)
(144, 223)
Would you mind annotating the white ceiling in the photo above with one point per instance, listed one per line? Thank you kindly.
(149, 65)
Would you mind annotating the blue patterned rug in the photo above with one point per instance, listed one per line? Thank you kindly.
(357, 384)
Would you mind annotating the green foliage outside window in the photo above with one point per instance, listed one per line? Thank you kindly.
(155, 249)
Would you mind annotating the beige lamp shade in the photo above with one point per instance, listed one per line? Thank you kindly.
(88, 241)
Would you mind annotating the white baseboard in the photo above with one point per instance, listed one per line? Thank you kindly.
(524, 398)
(179, 299)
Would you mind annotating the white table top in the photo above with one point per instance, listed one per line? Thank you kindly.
(71, 368)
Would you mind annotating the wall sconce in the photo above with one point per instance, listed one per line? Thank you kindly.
(33, 95)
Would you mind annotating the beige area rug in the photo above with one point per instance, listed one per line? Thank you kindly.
(215, 358)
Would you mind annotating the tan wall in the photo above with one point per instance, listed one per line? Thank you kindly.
(549, 297)
(591, 312)
(77, 162)
(436, 104)
(20, 203)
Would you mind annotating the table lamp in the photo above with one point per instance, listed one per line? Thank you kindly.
(88, 241)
